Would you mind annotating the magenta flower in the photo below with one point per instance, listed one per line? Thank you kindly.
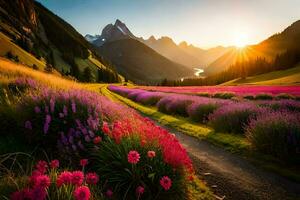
(139, 190)
(77, 178)
(92, 178)
(133, 157)
(42, 166)
(64, 178)
(47, 124)
(42, 181)
(165, 182)
(65, 110)
(109, 193)
(82, 193)
(83, 162)
(54, 164)
(73, 105)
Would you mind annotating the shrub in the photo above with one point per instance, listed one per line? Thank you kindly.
(224, 95)
(149, 98)
(203, 94)
(233, 117)
(285, 104)
(276, 133)
(199, 112)
(263, 96)
(284, 96)
(249, 97)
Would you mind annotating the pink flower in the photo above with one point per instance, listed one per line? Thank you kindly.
(42, 181)
(109, 193)
(97, 140)
(92, 178)
(133, 157)
(54, 164)
(42, 166)
(64, 178)
(165, 182)
(83, 162)
(151, 154)
(77, 177)
(140, 190)
(73, 105)
(105, 128)
(38, 193)
(82, 193)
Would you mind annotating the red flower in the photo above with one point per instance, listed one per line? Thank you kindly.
(42, 181)
(77, 178)
(97, 140)
(109, 193)
(54, 164)
(64, 178)
(82, 193)
(165, 182)
(140, 190)
(34, 175)
(92, 178)
(133, 157)
(42, 166)
(105, 128)
(83, 162)
(21, 195)
(151, 154)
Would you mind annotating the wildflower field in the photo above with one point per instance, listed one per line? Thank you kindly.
(272, 127)
(247, 92)
(62, 141)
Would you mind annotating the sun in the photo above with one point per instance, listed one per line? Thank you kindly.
(240, 40)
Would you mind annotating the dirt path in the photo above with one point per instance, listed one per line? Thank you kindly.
(233, 177)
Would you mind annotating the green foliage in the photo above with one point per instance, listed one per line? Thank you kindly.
(87, 75)
(263, 96)
(284, 96)
(224, 95)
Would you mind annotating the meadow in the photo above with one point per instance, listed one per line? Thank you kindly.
(66, 141)
(270, 126)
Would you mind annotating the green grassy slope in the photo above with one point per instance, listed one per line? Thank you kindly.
(282, 77)
(7, 45)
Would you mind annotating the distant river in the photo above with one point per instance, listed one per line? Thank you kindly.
(198, 71)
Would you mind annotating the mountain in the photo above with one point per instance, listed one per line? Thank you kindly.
(139, 63)
(183, 53)
(35, 36)
(269, 49)
(111, 32)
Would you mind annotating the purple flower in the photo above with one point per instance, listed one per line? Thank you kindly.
(73, 105)
(87, 138)
(47, 124)
(52, 105)
(61, 115)
(28, 125)
(37, 109)
(65, 110)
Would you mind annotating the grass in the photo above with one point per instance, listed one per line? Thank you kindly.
(281, 77)
(231, 142)
(24, 57)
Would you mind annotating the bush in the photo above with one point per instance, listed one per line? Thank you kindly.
(249, 97)
(277, 134)
(203, 94)
(263, 97)
(233, 117)
(199, 112)
(285, 96)
(149, 98)
(284, 104)
(223, 95)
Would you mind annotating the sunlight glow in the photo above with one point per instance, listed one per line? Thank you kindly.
(241, 40)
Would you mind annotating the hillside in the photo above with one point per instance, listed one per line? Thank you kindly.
(269, 48)
(39, 37)
(140, 63)
(281, 77)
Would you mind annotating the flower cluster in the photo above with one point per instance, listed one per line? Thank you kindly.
(46, 175)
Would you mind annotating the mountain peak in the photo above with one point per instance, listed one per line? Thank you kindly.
(118, 22)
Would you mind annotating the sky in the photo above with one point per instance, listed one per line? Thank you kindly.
(203, 23)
